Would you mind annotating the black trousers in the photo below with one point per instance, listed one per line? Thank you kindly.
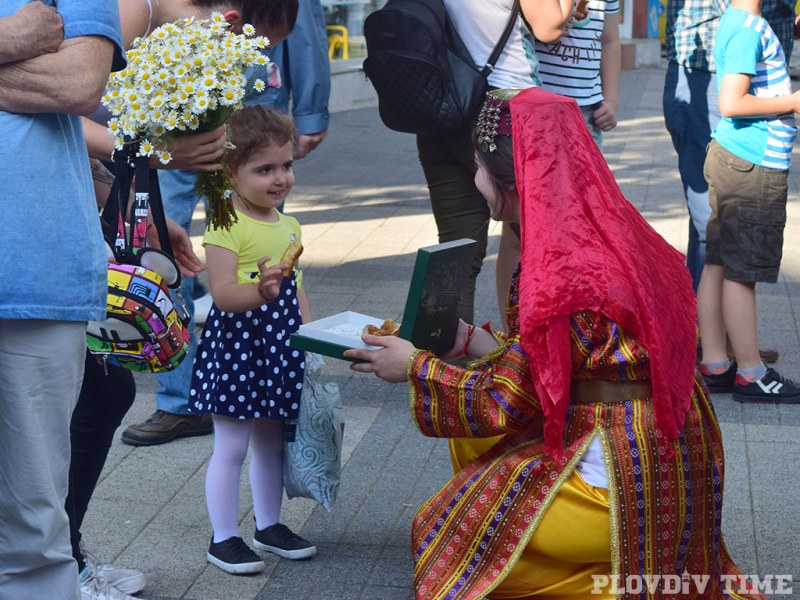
(103, 402)
(459, 209)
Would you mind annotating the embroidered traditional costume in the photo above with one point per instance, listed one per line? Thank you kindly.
(600, 303)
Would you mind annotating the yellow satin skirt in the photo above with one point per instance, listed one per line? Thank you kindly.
(571, 543)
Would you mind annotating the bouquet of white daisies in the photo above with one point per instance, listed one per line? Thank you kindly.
(185, 77)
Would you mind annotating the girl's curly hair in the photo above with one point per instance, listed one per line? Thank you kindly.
(254, 127)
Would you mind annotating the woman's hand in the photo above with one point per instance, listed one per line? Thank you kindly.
(269, 279)
(390, 363)
(197, 152)
(187, 260)
(184, 255)
(457, 351)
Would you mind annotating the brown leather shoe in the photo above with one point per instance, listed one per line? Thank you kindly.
(163, 427)
(768, 355)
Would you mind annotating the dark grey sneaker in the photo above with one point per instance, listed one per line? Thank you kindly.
(718, 383)
(281, 540)
(771, 388)
(233, 556)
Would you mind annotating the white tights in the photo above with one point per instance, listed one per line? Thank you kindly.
(231, 439)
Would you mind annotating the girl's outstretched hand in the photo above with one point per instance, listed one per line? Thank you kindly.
(269, 279)
(390, 363)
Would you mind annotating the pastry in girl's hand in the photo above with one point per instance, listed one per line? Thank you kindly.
(388, 327)
(293, 251)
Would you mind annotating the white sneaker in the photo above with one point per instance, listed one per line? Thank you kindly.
(127, 581)
(94, 588)
(202, 306)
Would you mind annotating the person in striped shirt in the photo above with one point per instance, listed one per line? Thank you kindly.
(746, 168)
(585, 63)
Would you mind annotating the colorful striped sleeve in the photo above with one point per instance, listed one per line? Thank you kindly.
(492, 397)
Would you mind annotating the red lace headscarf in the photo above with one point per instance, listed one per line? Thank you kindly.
(585, 247)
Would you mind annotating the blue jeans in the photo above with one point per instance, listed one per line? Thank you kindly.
(177, 192)
(597, 133)
(691, 112)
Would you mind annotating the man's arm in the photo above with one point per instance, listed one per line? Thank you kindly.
(35, 29)
(308, 73)
(70, 80)
(302, 60)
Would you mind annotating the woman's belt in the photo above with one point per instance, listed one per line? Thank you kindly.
(590, 391)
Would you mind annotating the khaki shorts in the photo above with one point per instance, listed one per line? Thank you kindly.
(748, 215)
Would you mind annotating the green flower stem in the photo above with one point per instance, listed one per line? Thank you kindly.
(213, 185)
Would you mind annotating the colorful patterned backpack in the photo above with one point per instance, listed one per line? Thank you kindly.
(144, 330)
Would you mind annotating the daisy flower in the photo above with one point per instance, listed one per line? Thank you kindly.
(185, 77)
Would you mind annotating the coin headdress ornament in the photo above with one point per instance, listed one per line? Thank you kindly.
(494, 118)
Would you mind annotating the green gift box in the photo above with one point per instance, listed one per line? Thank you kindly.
(430, 318)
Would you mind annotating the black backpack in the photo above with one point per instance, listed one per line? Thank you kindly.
(425, 78)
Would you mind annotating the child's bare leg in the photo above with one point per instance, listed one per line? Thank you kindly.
(507, 258)
(739, 312)
(709, 313)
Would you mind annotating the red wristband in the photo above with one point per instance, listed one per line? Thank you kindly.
(470, 332)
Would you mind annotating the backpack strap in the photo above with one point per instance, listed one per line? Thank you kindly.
(116, 206)
(147, 199)
(498, 49)
(137, 230)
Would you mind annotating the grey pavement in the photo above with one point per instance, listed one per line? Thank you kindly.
(362, 202)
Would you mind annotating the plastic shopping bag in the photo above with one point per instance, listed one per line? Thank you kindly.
(312, 463)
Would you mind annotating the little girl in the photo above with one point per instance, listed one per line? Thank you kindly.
(245, 373)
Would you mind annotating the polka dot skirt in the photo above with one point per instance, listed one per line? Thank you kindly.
(244, 367)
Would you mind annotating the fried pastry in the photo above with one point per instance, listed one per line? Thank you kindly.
(293, 251)
(388, 327)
